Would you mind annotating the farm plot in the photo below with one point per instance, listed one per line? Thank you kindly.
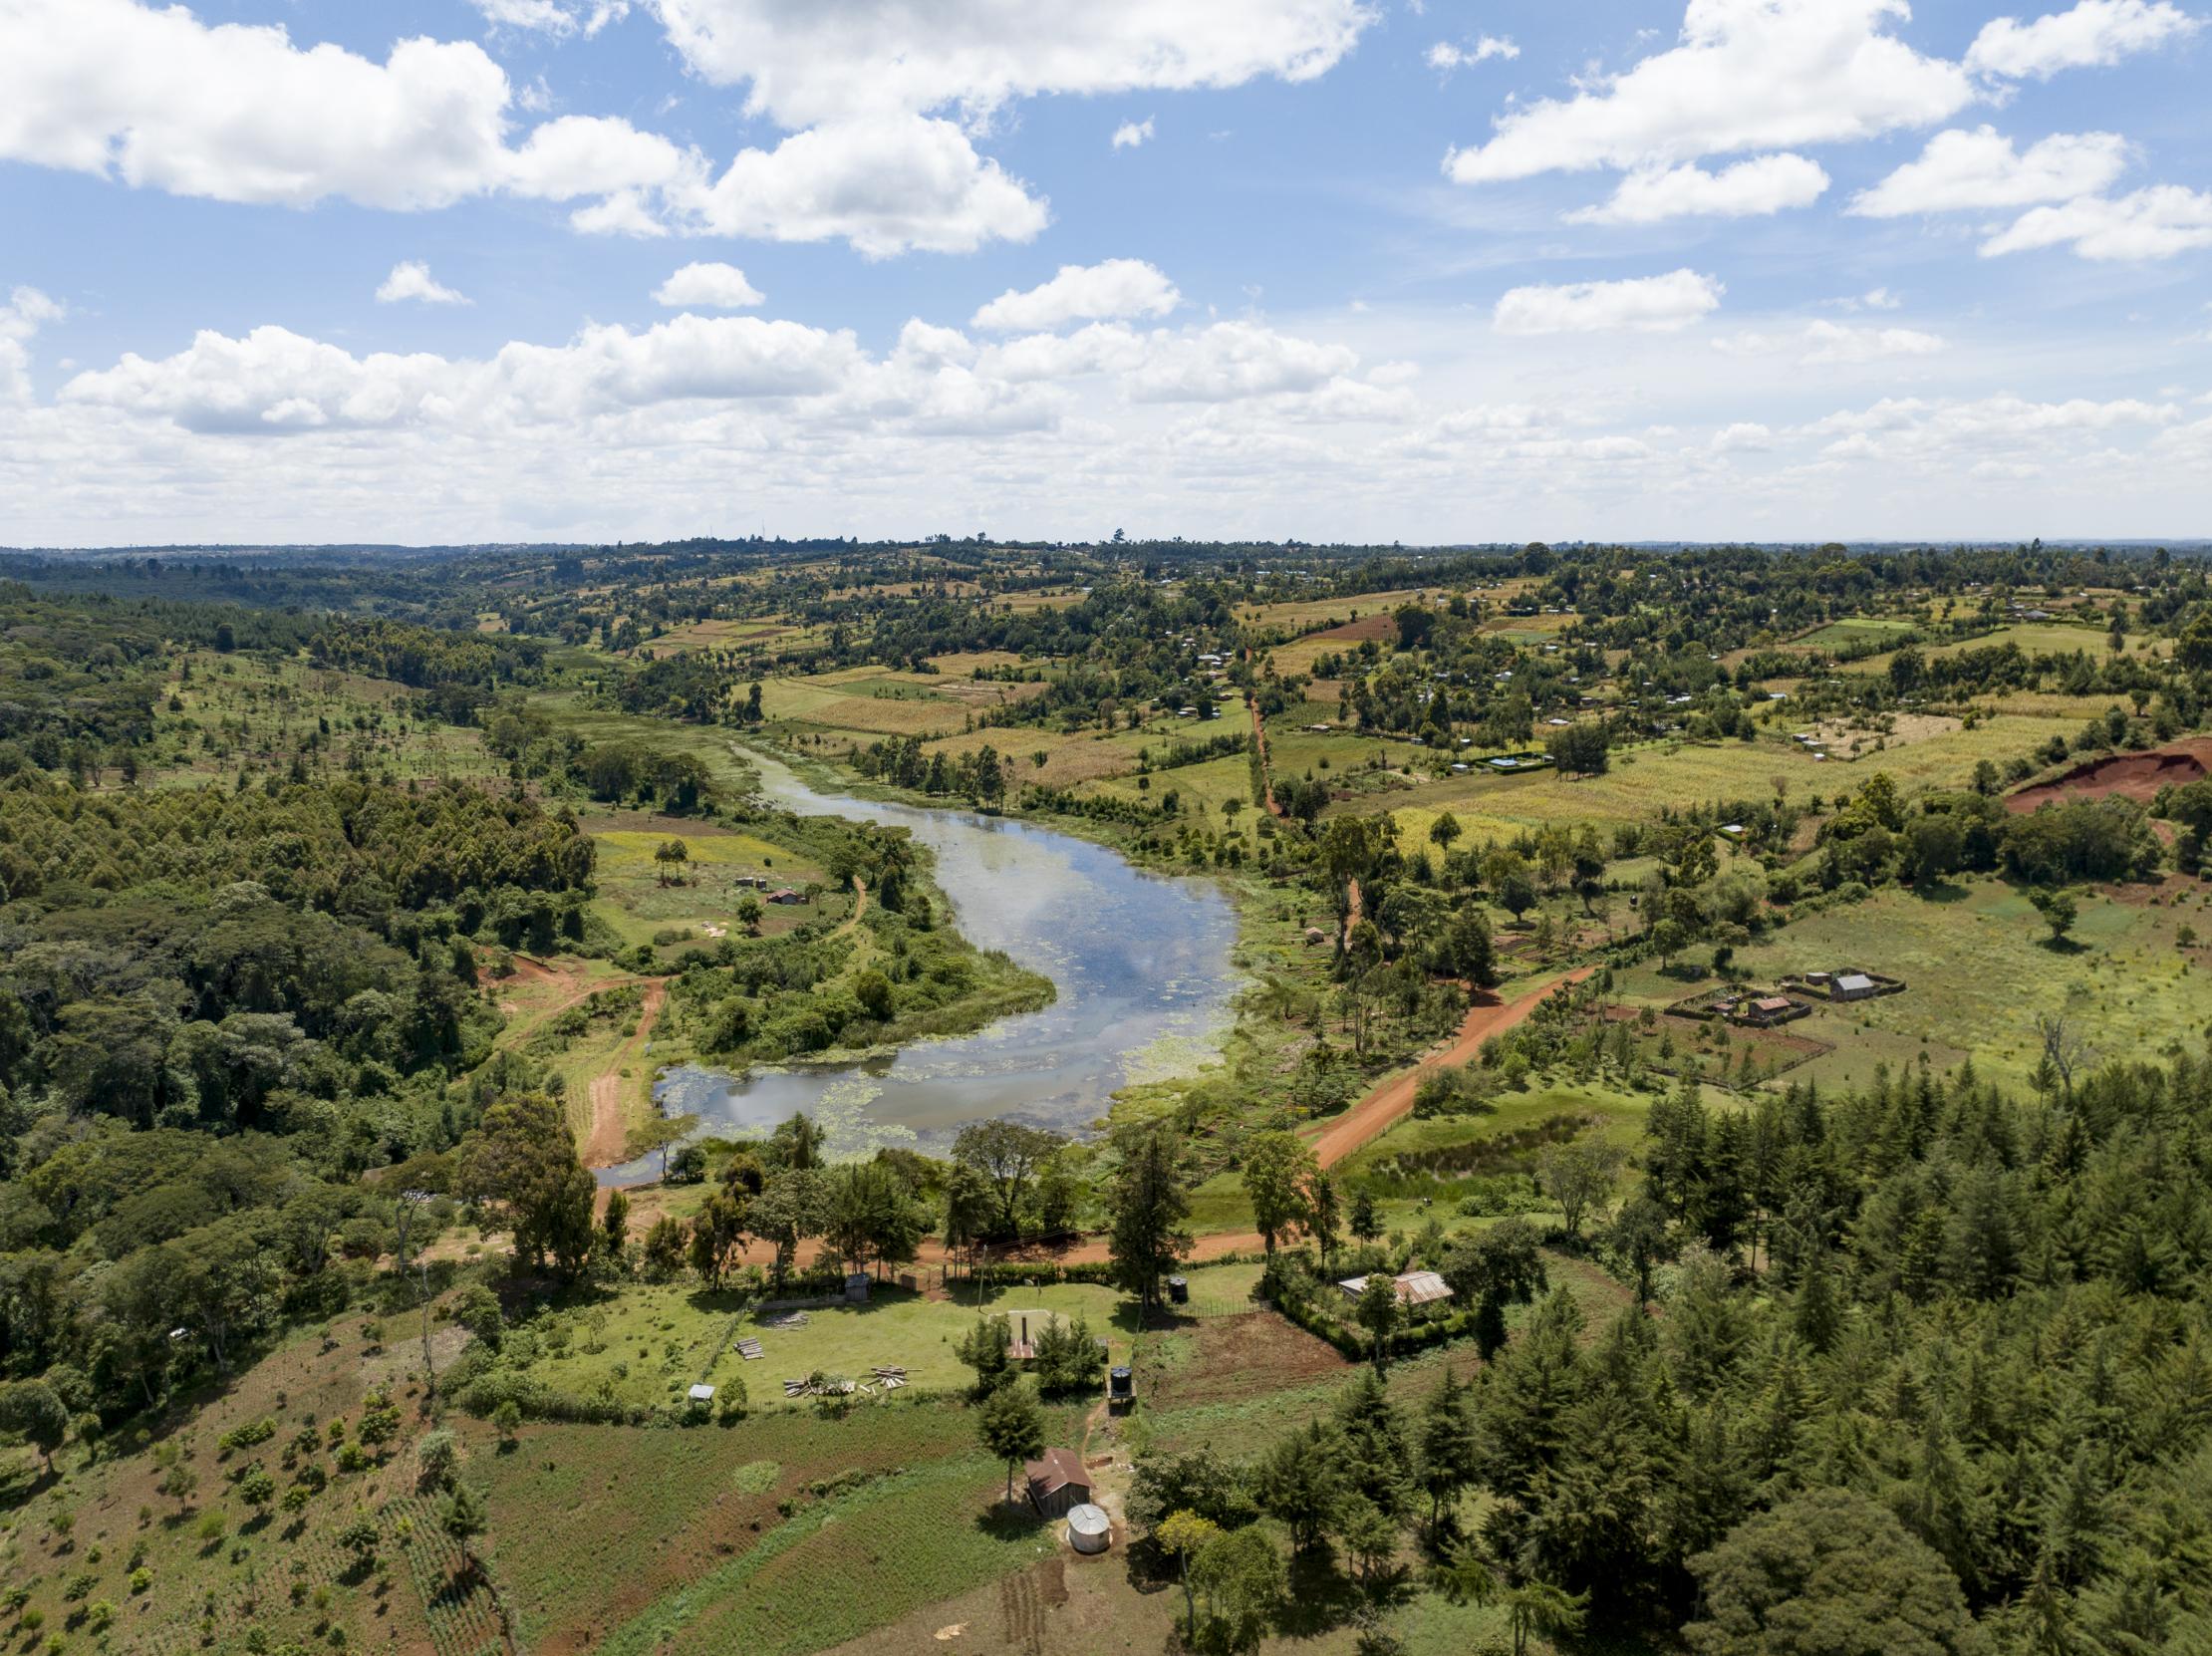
(1976, 956)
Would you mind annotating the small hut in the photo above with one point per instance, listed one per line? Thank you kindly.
(1089, 1530)
(1058, 1482)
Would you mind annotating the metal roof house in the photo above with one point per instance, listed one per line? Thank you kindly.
(1058, 1481)
(1415, 1287)
(1852, 986)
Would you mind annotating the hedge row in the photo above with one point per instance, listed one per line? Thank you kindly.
(1355, 1344)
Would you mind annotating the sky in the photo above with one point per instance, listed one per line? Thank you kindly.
(461, 271)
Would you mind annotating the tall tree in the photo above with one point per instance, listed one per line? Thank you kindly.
(1280, 1168)
(1147, 1203)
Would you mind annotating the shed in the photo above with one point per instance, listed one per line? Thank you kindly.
(701, 1395)
(1089, 1530)
(1853, 985)
(1770, 1007)
(856, 1286)
(1058, 1481)
(1415, 1287)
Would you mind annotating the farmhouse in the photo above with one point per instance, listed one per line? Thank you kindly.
(1852, 986)
(1415, 1287)
(785, 896)
(1057, 1483)
(1768, 1009)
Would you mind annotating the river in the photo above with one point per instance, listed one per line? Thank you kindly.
(1140, 962)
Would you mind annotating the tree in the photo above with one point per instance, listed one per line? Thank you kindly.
(2058, 910)
(1379, 1312)
(1581, 749)
(1507, 874)
(717, 1236)
(1500, 1266)
(460, 1514)
(35, 1411)
(869, 1213)
(1668, 935)
(1327, 1213)
(984, 1348)
(1827, 1572)
(1009, 1154)
(1012, 1428)
(668, 857)
(614, 1224)
(1577, 1177)
(1541, 1607)
(1300, 1482)
(1365, 1223)
(1444, 830)
(788, 1210)
(1146, 1205)
(1447, 1445)
(1242, 1576)
(522, 1162)
(1280, 1168)
(1182, 1537)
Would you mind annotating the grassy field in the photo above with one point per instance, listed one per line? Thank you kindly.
(647, 1345)
(1977, 963)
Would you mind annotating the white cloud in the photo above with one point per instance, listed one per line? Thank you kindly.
(276, 380)
(1763, 184)
(238, 113)
(1963, 171)
(1113, 288)
(1653, 304)
(1130, 134)
(839, 58)
(552, 17)
(1879, 299)
(1232, 360)
(411, 279)
(1445, 56)
(2153, 224)
(1747, 74)
(1742, 436)
(713, 287)
(1101, 347)
(26, 312)
(886, 185)
(1821, 343)
(2094, 34)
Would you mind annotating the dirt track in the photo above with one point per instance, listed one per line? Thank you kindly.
(2136, 777)
(609, 1131)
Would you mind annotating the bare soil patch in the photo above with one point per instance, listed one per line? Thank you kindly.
(1237, 1356)
(2136, 777)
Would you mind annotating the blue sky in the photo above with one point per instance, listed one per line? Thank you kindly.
(1769, 268)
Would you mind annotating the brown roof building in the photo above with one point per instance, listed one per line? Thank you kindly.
(1058, 1481)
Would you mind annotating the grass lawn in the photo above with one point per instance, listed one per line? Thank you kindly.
(1979, 967)
(653, 1342)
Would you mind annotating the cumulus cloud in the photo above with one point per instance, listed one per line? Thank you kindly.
(411, 279)
(840, 59)
(2094, 34)
(26, 312)
(1819, 343)
(1113, 288)
(1763, 184)
(273, 381)
(1963, 171)
(1446, 56)
(886, 185)
(552, 17)
(2153, 224)
(1746, 74)
(711, 287)
(1232, 360)
(1652, 304)
(238, 113)
(1130, 134)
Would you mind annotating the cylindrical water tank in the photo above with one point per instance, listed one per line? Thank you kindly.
(1089, 1530)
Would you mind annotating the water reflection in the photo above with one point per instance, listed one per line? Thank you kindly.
(1140, 961)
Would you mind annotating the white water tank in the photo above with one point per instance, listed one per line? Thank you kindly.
(1089, 1530)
